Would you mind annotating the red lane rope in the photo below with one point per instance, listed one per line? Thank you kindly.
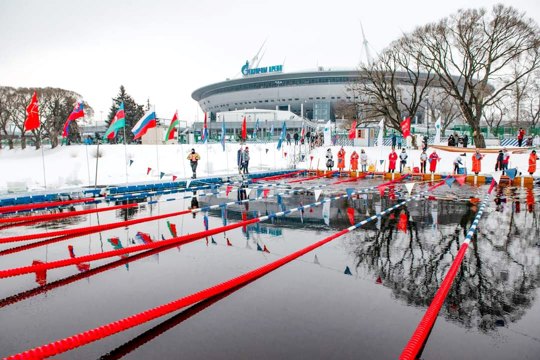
(94, 228)
(312, 177)
(277, 177)
(107, 254)
(46, 217)
(101, 332)
(361, 176)
(14, 208)
(420, 335)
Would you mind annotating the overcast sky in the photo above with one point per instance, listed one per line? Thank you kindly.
(165, 49)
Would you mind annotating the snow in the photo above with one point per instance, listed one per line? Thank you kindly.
(74, 166)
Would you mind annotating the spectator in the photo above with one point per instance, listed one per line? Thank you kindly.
(341, 159)
(329, 159)
(477, 162)
(499, 162)
(433, 159)
(394, 139)
(392, 158)
(363, 160)
(245, 160)
(520, 136)
(506, 160)
(532, 162)
(465, 140)
(295, 137)
(239, 160)
(193, 158)
(354, 161)
(458, 162)
(536, 141)
(402, 160)
(288, 137)
(451, 140)
(399, 143)
(423, 161)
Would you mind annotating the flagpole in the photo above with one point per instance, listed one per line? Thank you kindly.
(43, 160)
(125, 153)
(157, 147)
(88, 165)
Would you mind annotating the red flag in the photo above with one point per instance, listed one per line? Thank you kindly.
(406, 127)
(32, 114)
(244, 129)
(350, 214)
(228, 190)
(492, 185)
(229, 242)
(174, 177)
(352, 131)
(381, 190)
(148, 171)
(265, 249)
(460, 179)
(402, 223)
(265, 193)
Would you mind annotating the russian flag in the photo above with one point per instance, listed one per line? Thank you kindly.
(77, 113)
(205, 129)
(148, 121)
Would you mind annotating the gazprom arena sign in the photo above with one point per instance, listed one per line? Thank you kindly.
(247, 71)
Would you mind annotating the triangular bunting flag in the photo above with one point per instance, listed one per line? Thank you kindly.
(317, 193)
(350, 214)
(449, 181)
(248, 191)
(188, 182)
(228, 190)
(381, 161)
(461, 179)
(492, 185)
(316, 260)
(161, 174)
(259, 193)
(497, 176)
(130, 162)
(511, 173)
(148, 171)
(174, 177)
(229, 242)
(266, 192)
(347, 271)
(311, 159)
(162, 237)
(265, 249)
(259, 248)
(213, 241)
(266, 151)
(379, 280)
(349, 191)
(285, 154)
(409, 187)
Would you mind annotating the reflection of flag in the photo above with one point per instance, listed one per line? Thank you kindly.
(118, 122)
(205, 221)
(143, 238)
(172, 229)
(282, 136)
(148, 121)
(326, 212)
(350, 215)
(77, 113)
(402, 222)
(437, 131)
(169, 135)
(32, 114)
(223, 133)
(256, 128)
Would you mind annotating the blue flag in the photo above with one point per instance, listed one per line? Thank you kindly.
(511, 173)
(349, 192)
(205, 220)
(449, 181)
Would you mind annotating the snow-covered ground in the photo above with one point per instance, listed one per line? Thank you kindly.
(72, 166)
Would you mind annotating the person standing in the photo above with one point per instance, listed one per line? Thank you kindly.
(392, 158)
(341, 159)
(532, 162)
(288, 137)
(465, 140)
(506, 160)
(239, 159)
(329, 159)
(433, 159)
(295, 137)
(394, 139)
(354, 161)
(520, 136)
(245, 160)
(423, 161)
(499, 162)
(451, 140)
(402, 160)
(399, 143)
(458, 162)
(193, 158)
(363, 160)
(477, 162)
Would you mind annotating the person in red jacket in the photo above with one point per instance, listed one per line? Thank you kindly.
(392, 159)
(532, 162)
(477, 162)
(521, 135)
(341, 159)
(354, 161)
(433, 159)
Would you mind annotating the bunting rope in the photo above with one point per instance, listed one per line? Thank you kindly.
(420, 335)
(278, 177)
(312, 177)
(104, 331)
(16, 208)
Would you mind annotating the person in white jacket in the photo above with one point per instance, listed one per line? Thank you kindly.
(402, 160)
(363, 160)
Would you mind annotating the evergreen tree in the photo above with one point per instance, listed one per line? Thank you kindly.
(132, 110)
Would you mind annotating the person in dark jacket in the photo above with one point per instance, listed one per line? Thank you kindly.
(239, 160)
(499, 166)
(394, 140)
(465, 140)
(295, 137)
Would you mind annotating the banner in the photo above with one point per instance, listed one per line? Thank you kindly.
(437, 140)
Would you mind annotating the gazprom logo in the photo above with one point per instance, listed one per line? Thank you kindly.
(246, 71)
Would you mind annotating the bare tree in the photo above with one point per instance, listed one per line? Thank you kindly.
(393, 87)
(531, 101)
(443, 106)
(495, 115)
(472, 53)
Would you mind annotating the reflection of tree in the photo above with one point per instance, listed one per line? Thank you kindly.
(496, 283)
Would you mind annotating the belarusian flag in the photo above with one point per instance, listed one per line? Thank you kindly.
(32, 114)
(172, 229)
(169, 135)
(118, 122)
